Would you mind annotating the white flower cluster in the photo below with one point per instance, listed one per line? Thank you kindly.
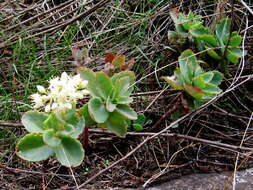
(61, 93)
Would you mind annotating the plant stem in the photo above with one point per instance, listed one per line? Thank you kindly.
(86, 138)
(7, 169)
(175, 107)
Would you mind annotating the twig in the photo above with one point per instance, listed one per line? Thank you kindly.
(169, 112)
(246, 6)
(8, 169)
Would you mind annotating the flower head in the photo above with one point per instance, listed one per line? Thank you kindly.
(61, 94)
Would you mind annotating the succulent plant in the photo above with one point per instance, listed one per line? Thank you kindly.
(191, 27)
(54, 132)
(52, 136)
(190, 77)
(216, 43)
(109, 106)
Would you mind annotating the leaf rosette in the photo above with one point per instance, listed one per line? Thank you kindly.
(109, 106)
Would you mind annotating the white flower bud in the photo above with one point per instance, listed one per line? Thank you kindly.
(41, 89)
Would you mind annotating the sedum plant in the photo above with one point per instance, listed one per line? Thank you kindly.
(216, 42)
(116, 63)
(141, 121)
(190, 77)
(190, 27)
(54, 129)
(183, 23)
(109, 106)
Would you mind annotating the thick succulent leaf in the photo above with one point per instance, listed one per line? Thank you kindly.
(199, 31)
(126, 111)
(200, 44)
(119, 61)
(98, 110)
(122, 87)
(124, 100)
(188, 64)
(212, 53)
(117, 124)
(201, 80)
(235, 40)
(211, 89)
(173, 82)
(207, 97)
(122, 74)
(141, 119)
(71, 116)
(79, 127)
(103, 85)
(90, 76)
(110, 106)
(217, 78)
(54, 122)
(179, 77)
(32, 148)
(194, 91)
(50, 139)
(137, 127)
(33, 121)
(84, 112)
(207, 38)
(233, 55)
(190, 21)
(222, 30)
(68, 129)
(70, 152)
(189, 25)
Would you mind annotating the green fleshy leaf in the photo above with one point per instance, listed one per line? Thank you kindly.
(122, 87)
(33, 121)
(68, 129)
(211, 89)
(50, 139)
(79, 127)
(199, 31)
(235, 41)
(103, 85)
(188, 64)
(201, 80)
(141, 119)
(90, 76)
(84, 111)
(223, 30)
(98, 110)
(209, 39)
(217, 78)
(70, 152)
(173, 83)
(120, 75)
(70, 116)
(126, 111)
(32, 148)
(233, 56)
(110, 106)
(137, 127)
(194, 91)
(124, 100)
(119, 61)
(212, 53)
(54, 122)
(117, 124)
